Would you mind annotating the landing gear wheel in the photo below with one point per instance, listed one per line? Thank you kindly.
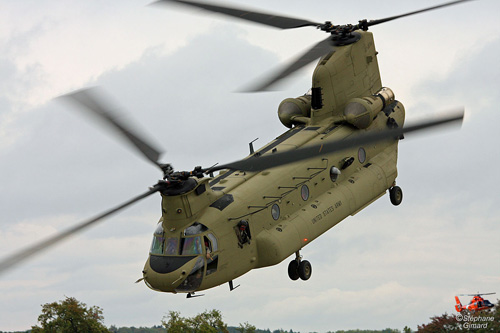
(305, 270)
(293, 270)
(396, 195)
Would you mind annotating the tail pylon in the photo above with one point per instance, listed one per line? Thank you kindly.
(458, 306)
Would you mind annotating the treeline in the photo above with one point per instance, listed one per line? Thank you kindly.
(70, 315)
(154, 329)
(159, 328)
(232, 329)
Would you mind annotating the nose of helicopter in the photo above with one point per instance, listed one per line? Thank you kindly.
(168, 273)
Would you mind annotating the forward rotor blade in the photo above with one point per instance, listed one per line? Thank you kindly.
(35, 249)
(317, 51)
(282, 22)
(264, 162)
(375, 22)
(89, 100)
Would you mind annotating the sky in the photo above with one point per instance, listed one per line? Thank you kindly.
(175, 72)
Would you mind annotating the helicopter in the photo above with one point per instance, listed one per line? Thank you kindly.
(338, 156)
(476, 304)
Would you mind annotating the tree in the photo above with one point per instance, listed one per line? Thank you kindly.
(246, 328)
(175, 323)
(206, 322)
(70, 315)
(441, 323)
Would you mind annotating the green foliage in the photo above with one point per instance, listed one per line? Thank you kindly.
(175, 323)
(387, 330)
(154, 329)
(70, 315)
(246, 328)
(206, 322)
(444, 322)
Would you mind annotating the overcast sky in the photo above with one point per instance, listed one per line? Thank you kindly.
(175, 73)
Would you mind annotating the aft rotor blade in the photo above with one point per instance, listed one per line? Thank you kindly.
(259, 163)
(89, 100)
(37, 248)
(277, 21)
(317, 51)
(375, 22)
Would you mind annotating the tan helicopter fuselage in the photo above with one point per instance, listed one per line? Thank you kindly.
(201, 243)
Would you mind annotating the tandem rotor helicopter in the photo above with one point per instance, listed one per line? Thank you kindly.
(338, 156)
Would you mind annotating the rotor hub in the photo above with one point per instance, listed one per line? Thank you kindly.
(343, 34)
(343, 39)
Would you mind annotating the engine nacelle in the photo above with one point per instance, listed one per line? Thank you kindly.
(293, 111)
(360, 112)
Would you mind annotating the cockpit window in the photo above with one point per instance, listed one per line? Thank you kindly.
(158, 240)
(157, 245)
(191, 246)
(172, 246)
(159, 229)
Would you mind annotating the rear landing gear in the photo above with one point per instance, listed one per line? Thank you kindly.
(299, 268)
(305, 270)
(293, 270)
(396, 195)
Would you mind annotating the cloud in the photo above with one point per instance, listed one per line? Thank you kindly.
(387, 266)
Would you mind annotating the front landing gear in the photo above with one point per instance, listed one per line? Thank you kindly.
(396, 195)
(299, 268)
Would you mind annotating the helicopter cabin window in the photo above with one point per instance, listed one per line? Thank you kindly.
(158, 240)
(243, 233)
(362, 155)
(191, 246)
(304, 192)
(275, 211)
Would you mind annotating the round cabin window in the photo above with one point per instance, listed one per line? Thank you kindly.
(275, 211)
(361, 155)
(334, 174)
(304, 192)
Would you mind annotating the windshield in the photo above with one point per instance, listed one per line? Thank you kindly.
(195, 244)
(191, 246)
(172, 247)
(158, 240)
(190, 242)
